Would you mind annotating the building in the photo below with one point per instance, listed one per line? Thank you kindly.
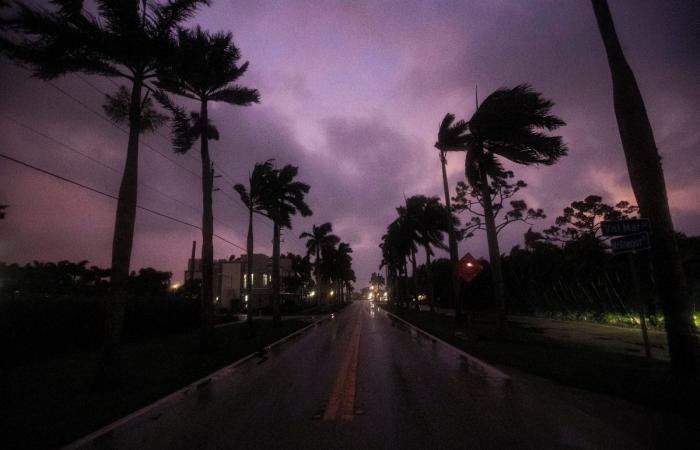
(231, 283)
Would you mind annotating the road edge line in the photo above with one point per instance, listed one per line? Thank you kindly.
(139, 412)
(486, 367)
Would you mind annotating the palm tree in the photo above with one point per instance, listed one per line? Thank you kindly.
(283, 198)
(431, 220)
(343, 266)
(319, 238)
(253, 198)
(127, 40)
(204, 69)
(451, 137)
(647, 178)
(508, 124)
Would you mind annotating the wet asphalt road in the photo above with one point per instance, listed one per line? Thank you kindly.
(363, 380)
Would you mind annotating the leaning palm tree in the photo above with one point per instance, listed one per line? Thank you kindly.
(283, 198)
(451, 137)
(508, 124)
(647, 178)
(125, 40)
(319, 238)
(252, 198)
(204, 69)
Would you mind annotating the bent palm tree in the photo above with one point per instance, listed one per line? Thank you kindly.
(283, 198)
(253, 199)
(647, 178)
(203, 69)
(451, 137)
(508, 124)
(126, 40)
(319, 238)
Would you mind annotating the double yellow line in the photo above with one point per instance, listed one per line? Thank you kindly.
(341, 403)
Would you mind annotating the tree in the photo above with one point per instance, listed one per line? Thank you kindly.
(508, 124)
(649, 186)
(283, 198)
(319, 238)
(204, 69)
(253, 199)
(471, 200)
(451, 137)
(3, 209)
(127, 40)
(430, 220)
(583, 218)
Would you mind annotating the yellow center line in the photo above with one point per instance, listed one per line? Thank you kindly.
(341, 403)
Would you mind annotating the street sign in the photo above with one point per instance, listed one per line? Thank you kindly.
(625, 227)
(630, 243)
(468, 268)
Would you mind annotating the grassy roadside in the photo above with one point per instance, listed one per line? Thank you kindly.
(48, 404)
(599, 367)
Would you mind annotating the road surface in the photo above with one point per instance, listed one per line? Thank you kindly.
(364, 380)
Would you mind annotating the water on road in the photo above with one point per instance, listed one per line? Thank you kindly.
(365, 380)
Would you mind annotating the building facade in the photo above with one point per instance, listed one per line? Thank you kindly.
(230, 282)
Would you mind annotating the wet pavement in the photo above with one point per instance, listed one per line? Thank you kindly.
(365, 380)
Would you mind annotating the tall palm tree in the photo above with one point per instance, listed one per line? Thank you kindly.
(649, 186)
(126, 40)
(343, 266)
(451, 137)
(508, 124)
(253, 199)
(319, 238)
(204, 69)
(283, 198)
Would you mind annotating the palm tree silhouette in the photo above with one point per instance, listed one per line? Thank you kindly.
(204, 69)
(430, 220)
(647, 179)
(507, 124)
(319, 238)
(127, 40)
(253, 199)
(451, 137)
(283, 198)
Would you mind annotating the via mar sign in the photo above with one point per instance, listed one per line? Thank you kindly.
(625, 227)
(630, 243)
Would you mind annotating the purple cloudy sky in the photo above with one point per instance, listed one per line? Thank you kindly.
(353, 92)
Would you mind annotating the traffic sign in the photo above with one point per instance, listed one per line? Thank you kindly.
(630, 243)
(625, 227)
(468, 268)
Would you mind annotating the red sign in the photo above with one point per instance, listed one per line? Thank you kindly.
(468, 268)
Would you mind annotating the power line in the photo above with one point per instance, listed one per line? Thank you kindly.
(83, 186)
(111, 122)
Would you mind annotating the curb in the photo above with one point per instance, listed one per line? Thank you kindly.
(486, 367)
(198, 383)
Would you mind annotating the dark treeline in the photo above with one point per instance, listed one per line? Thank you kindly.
(48, 307)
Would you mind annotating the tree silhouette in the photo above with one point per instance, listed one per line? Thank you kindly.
(283, 198)
(647, 179)
(3, 211)
(507, 124)
(451, 137)
(127, 40)
(203, 68)
(319, 238)
(253, 199)
(470, 200)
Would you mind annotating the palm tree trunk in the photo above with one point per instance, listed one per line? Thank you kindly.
(649, 186)
(429, 274)
(414, 273)
(249, 268)
(494, 251)
(454, 250)
(207, 306)
(276, 316)
(109, 369)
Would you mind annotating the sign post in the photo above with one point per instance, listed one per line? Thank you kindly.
(633, 237)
